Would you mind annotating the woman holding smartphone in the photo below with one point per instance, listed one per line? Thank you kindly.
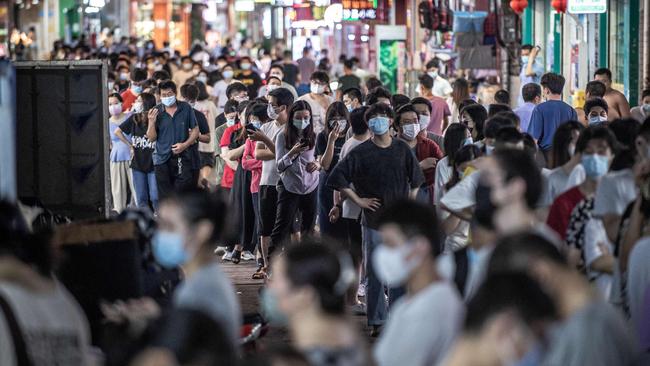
(296, 162)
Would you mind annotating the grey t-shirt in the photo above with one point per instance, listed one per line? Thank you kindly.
(209, 290)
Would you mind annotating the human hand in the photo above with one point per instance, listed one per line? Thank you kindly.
(312, 167)
(152, 115)
(335, 214)
(178, 148)
(428, 163)
(257, 135)
(371, 204)
(298, 149)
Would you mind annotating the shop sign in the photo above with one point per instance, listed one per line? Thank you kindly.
(359, 10)
(587, 6)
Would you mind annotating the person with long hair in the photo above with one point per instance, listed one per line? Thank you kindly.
(296, 162)
(120, 156)
(458, 95)
(566, 171)
(473, 116)
(307, 294)
(144, 177)
(328, 149)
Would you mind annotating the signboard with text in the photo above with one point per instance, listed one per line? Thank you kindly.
(587, 6)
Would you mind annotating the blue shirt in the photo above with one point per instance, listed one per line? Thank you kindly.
(546, 118)
(524, 113)
(538, 69)
(119, 150)
(172, 130)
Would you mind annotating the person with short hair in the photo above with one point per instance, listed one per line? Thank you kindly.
(619, 107)
(249, 77)
(277, 71)
(219, 95)
(595, 110)
(532, 68)
(411, 243)
(502, 97)
(424, 109)
(184, 73)
(532, 96)
(642, 111)
(138, 76)
(440, 112)
(189, 93)
(352, 98)
(348, 79)
(547, 116)
(318, 100)
(206, 150)
(306, 68)
(291, 70)
(173, 126)
(441, 87)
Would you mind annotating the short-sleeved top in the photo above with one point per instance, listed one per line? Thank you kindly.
(204, 128)
(306, 67)
(350, 209)
(561, 209)
(252, 81)
(318, 113)
(546, 118)
(387, 174)
(228, 174)
(219, 92)
(270, 175)
(172, 130)
(524, 112)
(208, 109)
(348, 81)
(321, 146)
(614, 193)
(290, 73)
(439, 110)
(119, 150)
(142, 147)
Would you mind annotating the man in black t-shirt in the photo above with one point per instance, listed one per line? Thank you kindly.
(382, 170)
(348, 80)
(248, 77)
(290, 69)
(189, 93)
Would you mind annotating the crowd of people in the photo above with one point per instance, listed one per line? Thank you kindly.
(466, 231)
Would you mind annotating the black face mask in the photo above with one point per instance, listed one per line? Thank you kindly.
(484, 209)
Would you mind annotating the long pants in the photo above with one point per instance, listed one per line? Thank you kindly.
(146, 189)
(289, 204)
(121, 184)
(175, 175)
(377, 309)
(325, 203)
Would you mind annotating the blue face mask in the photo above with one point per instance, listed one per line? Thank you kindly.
(468, 141)
(524, 60)
(256, 124)
(350, 108)
(136, 89)
(230, 122)
(168, 101)
(270, 310)
(301, 124)
(168, 249)
(379, 125)
(595, 165)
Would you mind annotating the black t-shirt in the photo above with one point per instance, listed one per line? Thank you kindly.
(348, 81)
(202, 122)
(142, 147)
(321, 146)
(290, 73)
(252, 81)
(384, 173)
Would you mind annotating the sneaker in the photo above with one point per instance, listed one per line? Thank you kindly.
(375, 331)
(227, 256)
(220, 250)
(247, 256)
(361, 292)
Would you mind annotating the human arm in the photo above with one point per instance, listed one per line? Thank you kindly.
(531, 62)
(337, 208)
(249, 162)
(623, 106)
(231, 163)
(285, 158)
(152, 115)
(327, 157)
(120, 135)
(536, 124)
(182, 146)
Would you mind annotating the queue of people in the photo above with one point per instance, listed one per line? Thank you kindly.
(465, 234)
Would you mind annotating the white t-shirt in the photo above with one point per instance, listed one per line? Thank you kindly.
(458, 238)
(421, 329)
(210, 112)
(53, 325)
(317, 111)
(463, 194)
(614, 193)
(595, 234)
(441, 87)
(350, 209)
(219, 92)
(270, 174)
(638, 279)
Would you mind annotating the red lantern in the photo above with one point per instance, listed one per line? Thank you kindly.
(518, 6)
(559, 5)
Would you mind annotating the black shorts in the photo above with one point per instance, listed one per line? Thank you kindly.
(268, 197)
(207, 159)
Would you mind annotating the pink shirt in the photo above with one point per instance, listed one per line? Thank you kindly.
(439, 109)
(249, 162)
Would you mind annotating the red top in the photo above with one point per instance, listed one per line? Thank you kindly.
(249, 162)
(228, 174)
(128, 98)
(561, 209)
(427, 148)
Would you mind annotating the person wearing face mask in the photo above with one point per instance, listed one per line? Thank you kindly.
(219, 95)
(532, 69)
(189, 93)
(173, 126)
(595, 111)
(277, 71)
(306, 67)
(144, 178)
(206, 149)
(565, 162)
(504, 324)
(593, 89)
(424, 109)
(596, 147)
(203, 78)
(411, 242)
(120, 156)
(440, 112)
(382, 170)
(441, 87)
(189, 226)
(299, 173)
(137, 78)
(348, 79)
(272, 83)
(317, 99)
(307, 294)
(229, 116)
(328, 149)
(547, 116)
(642, 111)
(352, 98)
(184, 73)
(248, 77)
(426, 151)
(474, 116)
(532, 96)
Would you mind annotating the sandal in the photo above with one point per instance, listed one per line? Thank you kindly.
(236, 257)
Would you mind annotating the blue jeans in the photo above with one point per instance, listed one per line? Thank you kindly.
(377, 309)
(146, 189)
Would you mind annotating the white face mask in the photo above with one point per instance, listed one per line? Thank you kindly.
(410, 131)
(391, 265)
(316, 88)
(271, 112)
(597, 119)
(137, 107)
(572, 150)
(424, 121)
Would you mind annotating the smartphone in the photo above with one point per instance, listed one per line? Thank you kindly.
(304, 142)
(250, 128)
